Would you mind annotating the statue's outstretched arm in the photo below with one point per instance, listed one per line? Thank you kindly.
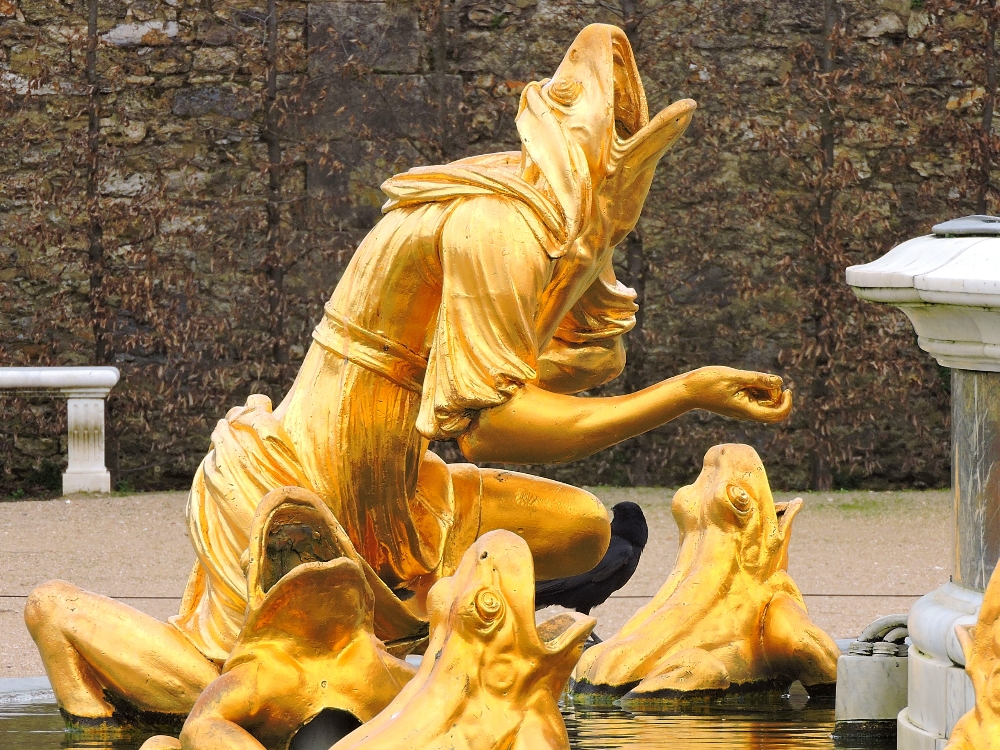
(537, 426)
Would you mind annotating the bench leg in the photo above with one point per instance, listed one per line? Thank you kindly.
(86, 471)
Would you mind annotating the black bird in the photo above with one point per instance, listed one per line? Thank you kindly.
(583, 592)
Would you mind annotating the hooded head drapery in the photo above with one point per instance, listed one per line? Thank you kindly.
(484, 275)
(588, 155)
(588, 146)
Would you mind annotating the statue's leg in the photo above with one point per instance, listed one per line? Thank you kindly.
(566, 528)
(90, 643)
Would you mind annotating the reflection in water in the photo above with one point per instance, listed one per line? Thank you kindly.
(31, 726)
(39, 726)
(788, 726)
(593, 728)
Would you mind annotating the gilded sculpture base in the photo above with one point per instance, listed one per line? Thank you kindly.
(729, 621)
(307, 653)
(490, 678)
(979, 729)
(762, 695)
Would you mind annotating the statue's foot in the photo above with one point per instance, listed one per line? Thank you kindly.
(92, 724)
(126, 719)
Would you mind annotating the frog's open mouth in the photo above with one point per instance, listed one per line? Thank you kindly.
(648, 144)
(786, 512)
(293, 528)
(565, 631)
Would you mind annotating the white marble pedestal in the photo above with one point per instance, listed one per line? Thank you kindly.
(85, 389)
(871, 690)
(939, 690)
(948, 285)
(85, 470)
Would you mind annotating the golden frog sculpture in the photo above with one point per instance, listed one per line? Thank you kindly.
(729, 616)
(979, 729)
(490, 678)
(307, 658)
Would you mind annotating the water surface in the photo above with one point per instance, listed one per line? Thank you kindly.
(790, 726)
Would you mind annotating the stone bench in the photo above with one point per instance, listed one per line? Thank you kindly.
(85, 389)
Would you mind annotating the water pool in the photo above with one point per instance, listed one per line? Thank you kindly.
(791, 725)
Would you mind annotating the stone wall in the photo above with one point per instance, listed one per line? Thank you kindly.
(185, 220)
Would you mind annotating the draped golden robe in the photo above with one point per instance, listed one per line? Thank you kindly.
(435, 318)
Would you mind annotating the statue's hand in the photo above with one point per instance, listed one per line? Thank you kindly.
(738, 393)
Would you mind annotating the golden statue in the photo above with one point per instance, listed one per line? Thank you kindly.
(308, 644)
(482, 300)
(729, 617)
(490, 678)
(979, 729)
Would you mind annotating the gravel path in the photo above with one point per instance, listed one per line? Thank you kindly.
(855, 556)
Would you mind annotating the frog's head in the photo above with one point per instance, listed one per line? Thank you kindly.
(732, 496)
(588, 132)
(483, 624)
(310, 611)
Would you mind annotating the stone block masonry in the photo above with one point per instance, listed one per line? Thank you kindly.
(190, 234)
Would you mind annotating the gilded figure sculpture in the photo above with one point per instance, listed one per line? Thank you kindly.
(979, 729)
(483, 299)
(307, 658)
(491, 678)
(729, 617)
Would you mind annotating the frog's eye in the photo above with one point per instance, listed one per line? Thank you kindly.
(565, 91)
(739, 498)
(489, 605)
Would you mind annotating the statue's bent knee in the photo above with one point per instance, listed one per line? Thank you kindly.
(45, 603)
(591, 533)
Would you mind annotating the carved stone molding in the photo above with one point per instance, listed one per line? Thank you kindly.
(948, 285)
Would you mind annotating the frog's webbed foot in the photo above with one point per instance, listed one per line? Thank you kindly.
(795, 646)
(693, 669)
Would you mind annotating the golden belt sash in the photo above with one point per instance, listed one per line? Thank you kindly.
(374, 352)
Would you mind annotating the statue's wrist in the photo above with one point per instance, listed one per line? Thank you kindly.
(691, 392)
